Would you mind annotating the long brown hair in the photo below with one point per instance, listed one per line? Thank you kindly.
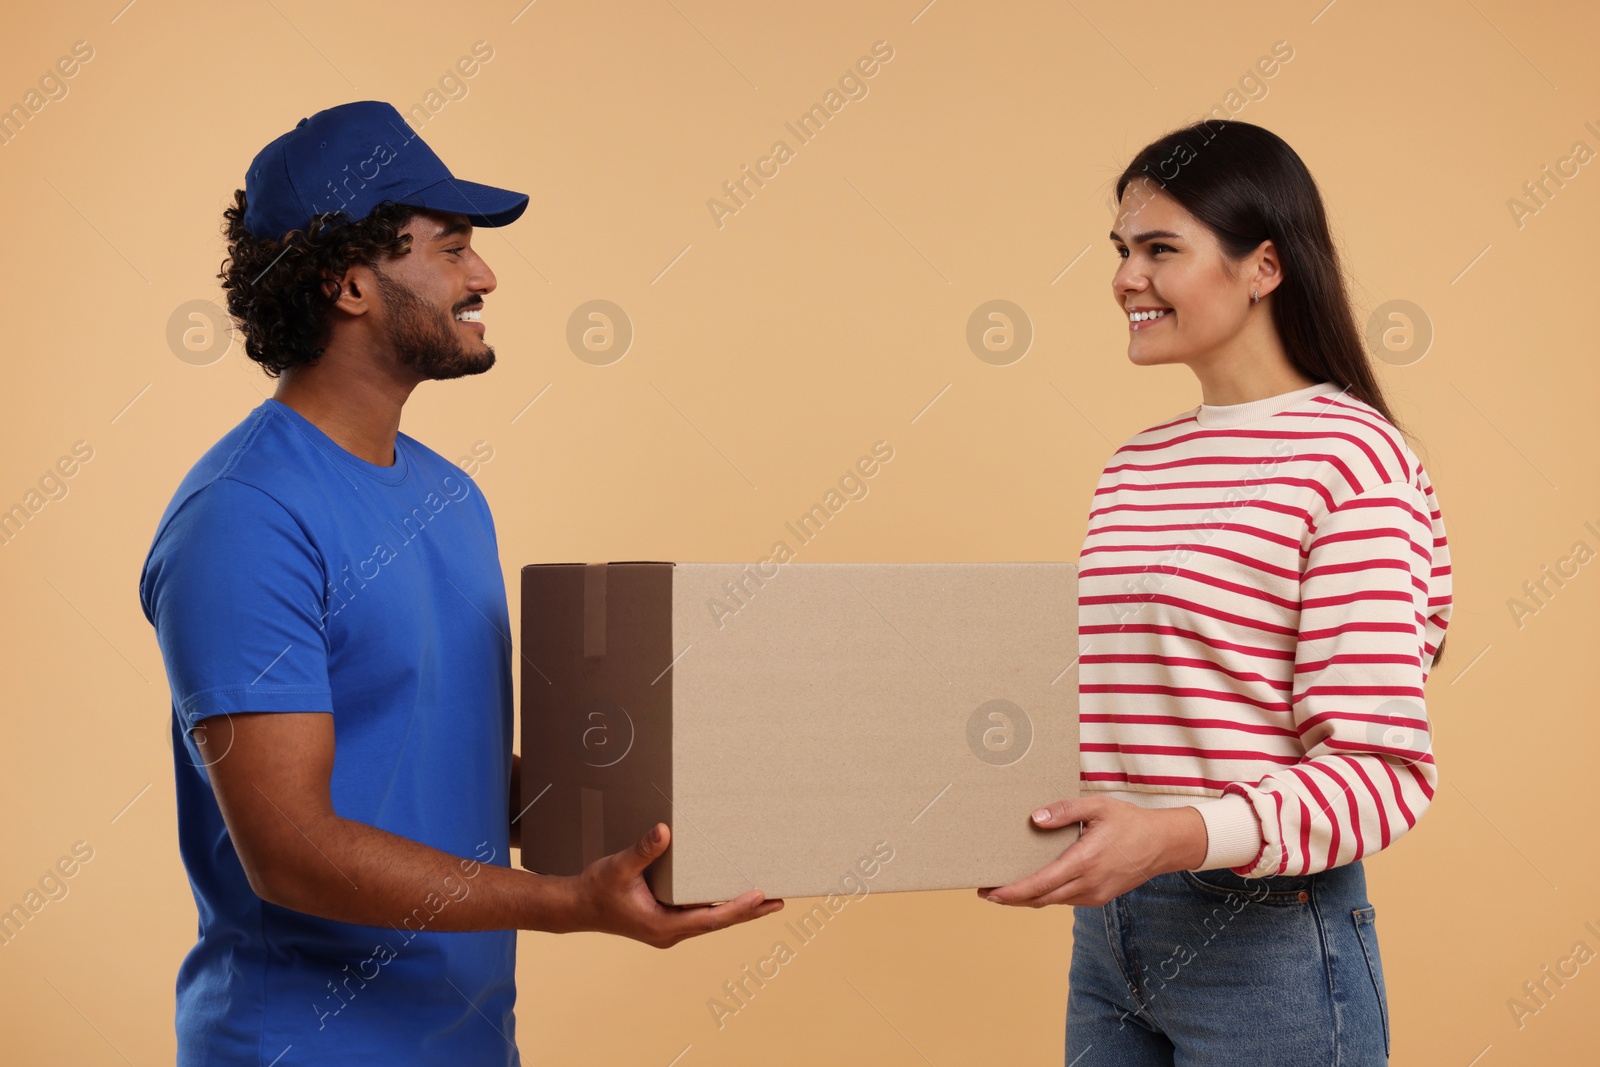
(1246, 185)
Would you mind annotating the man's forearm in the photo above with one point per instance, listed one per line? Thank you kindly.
(355, 873)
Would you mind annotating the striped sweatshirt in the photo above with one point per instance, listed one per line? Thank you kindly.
(1261, 593)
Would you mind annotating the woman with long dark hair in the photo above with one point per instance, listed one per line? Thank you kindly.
(1264, 589)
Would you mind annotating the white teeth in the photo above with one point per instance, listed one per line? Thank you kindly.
(1145, 316)
(475, 315)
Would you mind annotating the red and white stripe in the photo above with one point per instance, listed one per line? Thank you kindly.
(1259, 606)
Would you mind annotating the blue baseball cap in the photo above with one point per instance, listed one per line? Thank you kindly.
(351, 158)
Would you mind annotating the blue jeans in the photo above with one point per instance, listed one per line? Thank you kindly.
(1195, 968)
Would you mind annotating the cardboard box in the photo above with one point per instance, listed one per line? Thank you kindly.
(801, 727)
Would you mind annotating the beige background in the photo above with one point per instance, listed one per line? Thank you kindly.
(768, 354)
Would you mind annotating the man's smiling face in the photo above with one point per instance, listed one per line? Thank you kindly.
(424, 293)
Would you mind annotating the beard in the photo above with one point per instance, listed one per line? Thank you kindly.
(426, 339)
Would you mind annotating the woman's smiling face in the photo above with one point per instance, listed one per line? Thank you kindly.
(1173, 269)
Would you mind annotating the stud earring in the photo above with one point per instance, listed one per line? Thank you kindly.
(1255, 296)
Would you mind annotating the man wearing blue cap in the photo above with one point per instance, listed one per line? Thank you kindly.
(327, 595)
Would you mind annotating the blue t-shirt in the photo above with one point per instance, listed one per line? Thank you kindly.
(289, 575)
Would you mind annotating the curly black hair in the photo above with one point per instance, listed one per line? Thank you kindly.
(281, 291)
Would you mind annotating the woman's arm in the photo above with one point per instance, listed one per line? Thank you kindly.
(1121, 846)
(1375, 599)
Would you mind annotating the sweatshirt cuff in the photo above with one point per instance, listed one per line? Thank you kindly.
(1233, 832)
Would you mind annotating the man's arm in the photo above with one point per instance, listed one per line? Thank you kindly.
(271, 774)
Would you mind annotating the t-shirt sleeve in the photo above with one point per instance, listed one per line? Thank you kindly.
(1373, 607)
(236, 591)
